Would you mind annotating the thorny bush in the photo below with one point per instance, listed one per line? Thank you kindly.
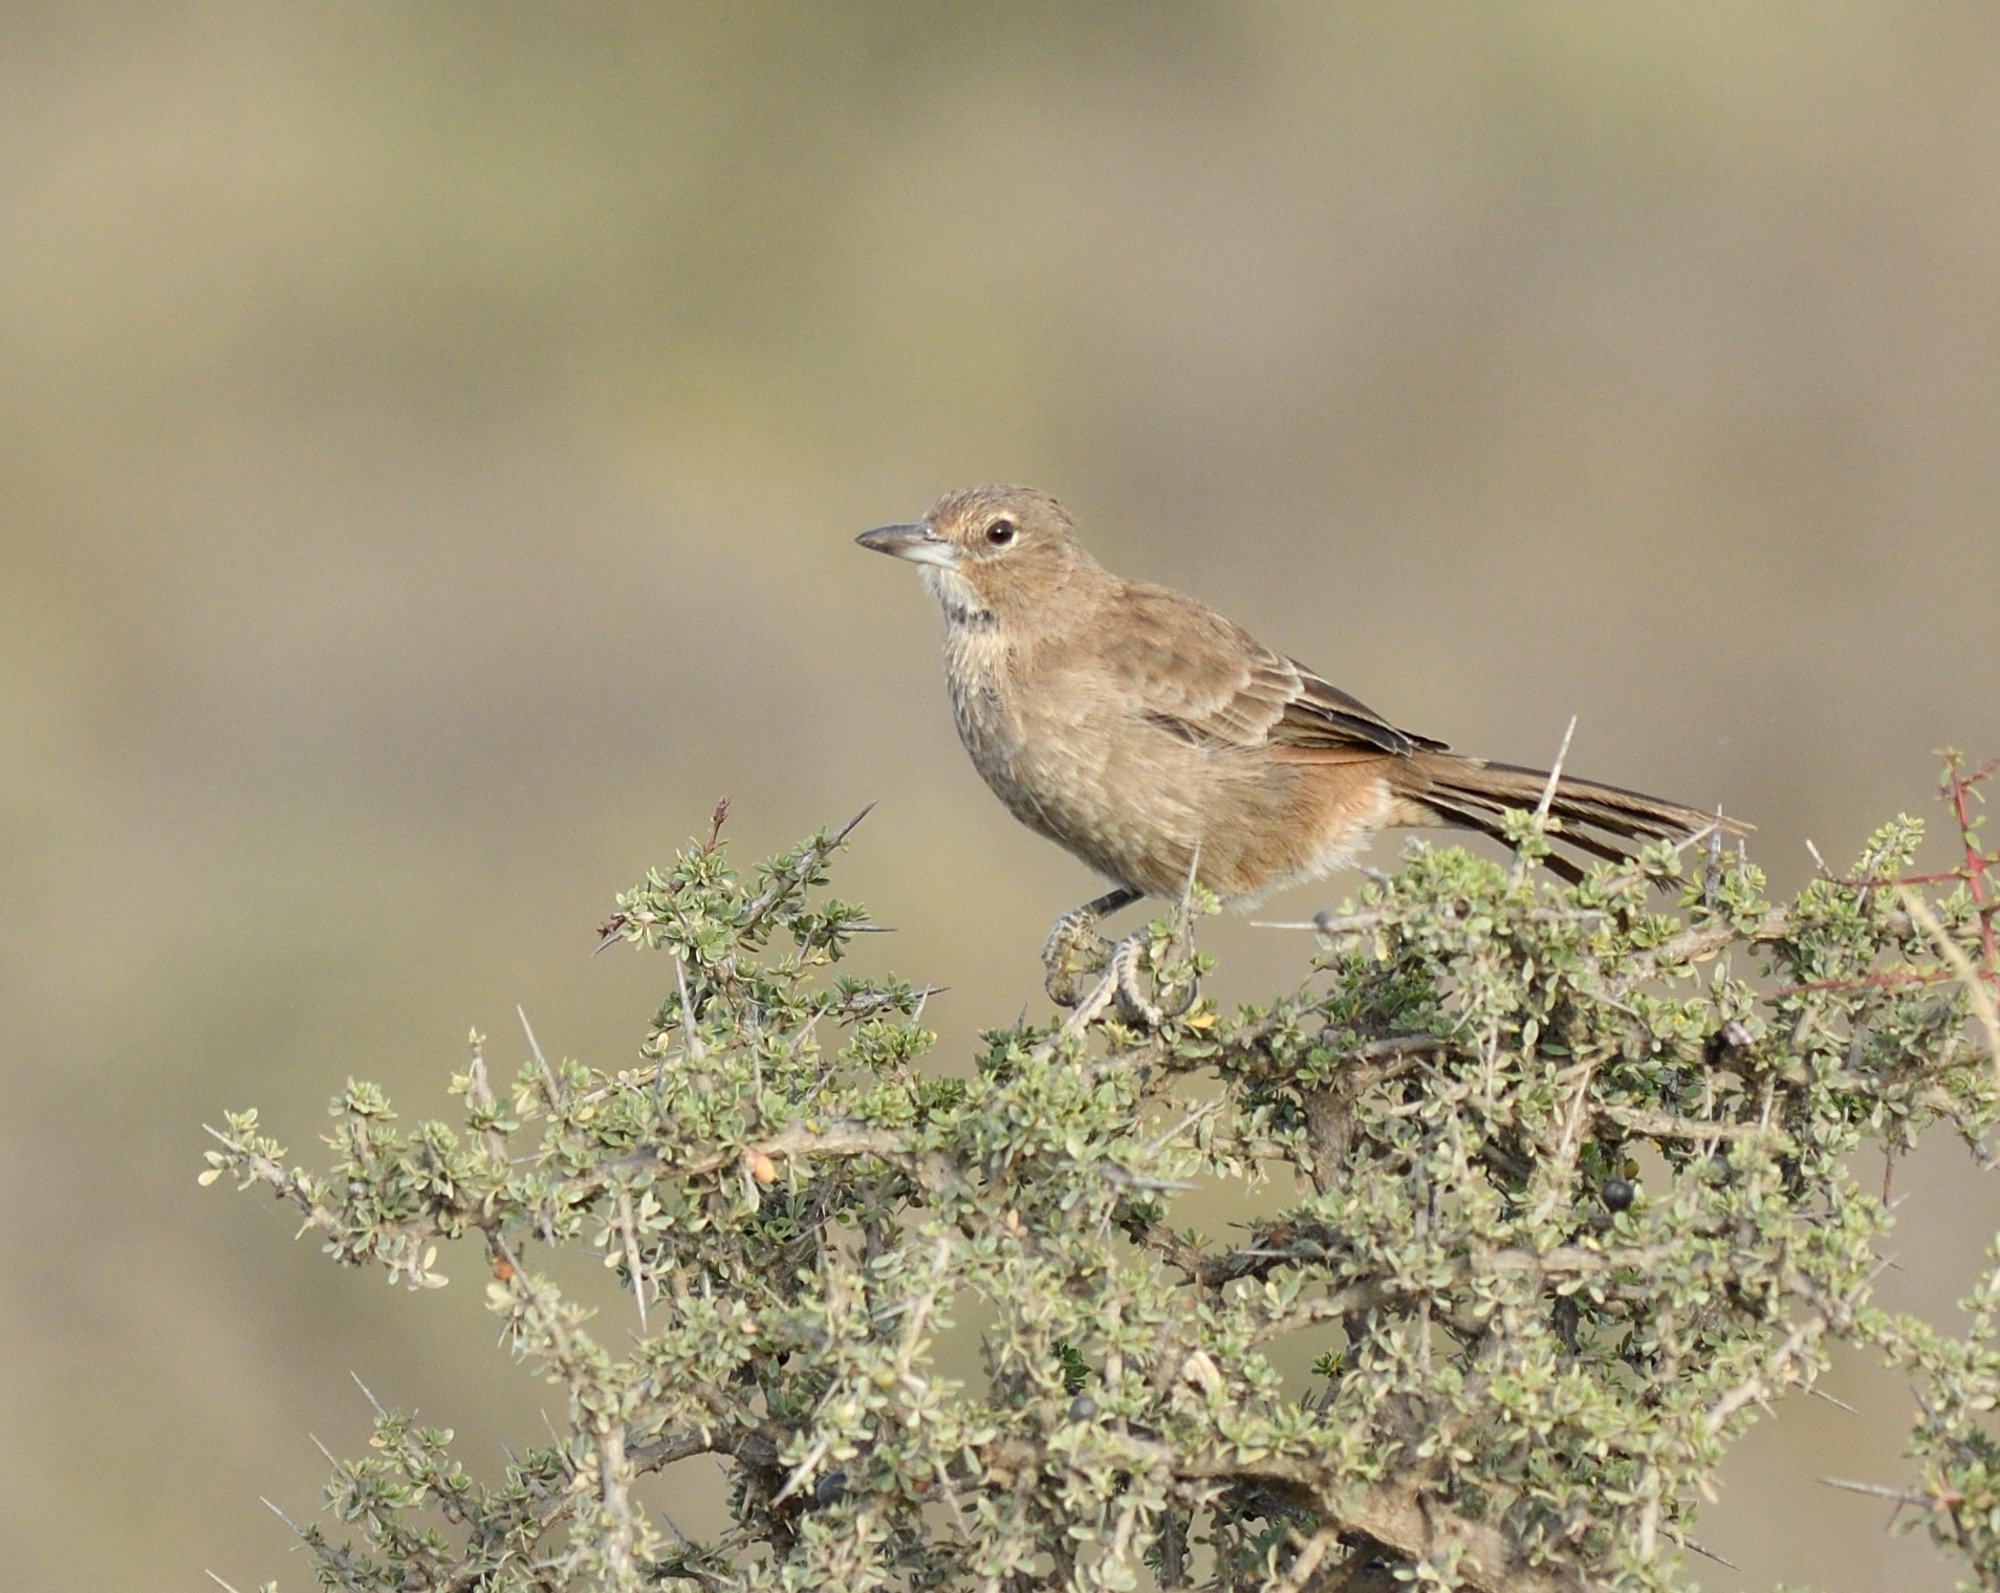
(1568, 1195)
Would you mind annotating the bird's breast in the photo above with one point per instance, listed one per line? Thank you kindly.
(983, 699)
(1076, 760)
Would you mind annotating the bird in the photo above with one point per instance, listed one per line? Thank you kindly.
(1162, 744)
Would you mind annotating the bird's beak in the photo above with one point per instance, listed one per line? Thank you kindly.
(917, 543)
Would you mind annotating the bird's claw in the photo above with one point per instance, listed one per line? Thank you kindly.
(1074, 949)
(1089, 974)
(1119, 987)
(1133, 1003)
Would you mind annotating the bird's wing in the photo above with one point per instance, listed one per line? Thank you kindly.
(1321, 715)
(1212, 683)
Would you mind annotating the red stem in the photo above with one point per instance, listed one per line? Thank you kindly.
(1976, 861)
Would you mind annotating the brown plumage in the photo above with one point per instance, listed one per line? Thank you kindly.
(1149, 735)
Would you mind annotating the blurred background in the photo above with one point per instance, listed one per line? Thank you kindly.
(431, 440)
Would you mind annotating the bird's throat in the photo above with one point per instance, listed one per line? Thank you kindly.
(958, 598)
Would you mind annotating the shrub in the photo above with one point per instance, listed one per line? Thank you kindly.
(1567, 1195)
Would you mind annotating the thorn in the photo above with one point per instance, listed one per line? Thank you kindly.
(379, 1411)
(1541, 814)
(220, 1583)
(1820, 1393)
(632, 1262)
(1695, 837)
(323, 1450)
(542, 1062)
(1900, 1495)
(1555, 774)
(561, 1447)
(1705, 1552)
(1187, 888)
(288, 1521)
(854, 823)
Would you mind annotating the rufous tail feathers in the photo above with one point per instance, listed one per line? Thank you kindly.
(1601, 820)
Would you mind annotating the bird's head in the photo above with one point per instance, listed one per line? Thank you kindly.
(987, 552)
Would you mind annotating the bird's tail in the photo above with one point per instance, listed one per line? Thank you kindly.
(1600, 820)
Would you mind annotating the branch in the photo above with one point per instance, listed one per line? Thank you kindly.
(1664, 1125)
(1695, 944)
(1400, 1516)
(1976, 990)
(789, 879)
(1568, 1261)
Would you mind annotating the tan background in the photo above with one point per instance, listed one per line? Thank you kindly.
(430, 442)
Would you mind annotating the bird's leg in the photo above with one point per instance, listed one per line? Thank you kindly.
(1074, 932)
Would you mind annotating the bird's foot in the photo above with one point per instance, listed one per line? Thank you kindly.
(1121, 984)
(1170, 998)
(1073, 951)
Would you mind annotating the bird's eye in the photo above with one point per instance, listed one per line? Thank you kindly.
(1000, 533)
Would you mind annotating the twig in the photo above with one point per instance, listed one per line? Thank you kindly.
(802, 1470)
(479, 1096)
(1329, 924)
(1664, 1125)
(1692, 945)
(690, 1034)
(810, 859)
(1311, 1552)
(1962, 787)
(1888, 979)
(1092, 1007)
(571, 1355)
(1758, 1385)
(1976, 991)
